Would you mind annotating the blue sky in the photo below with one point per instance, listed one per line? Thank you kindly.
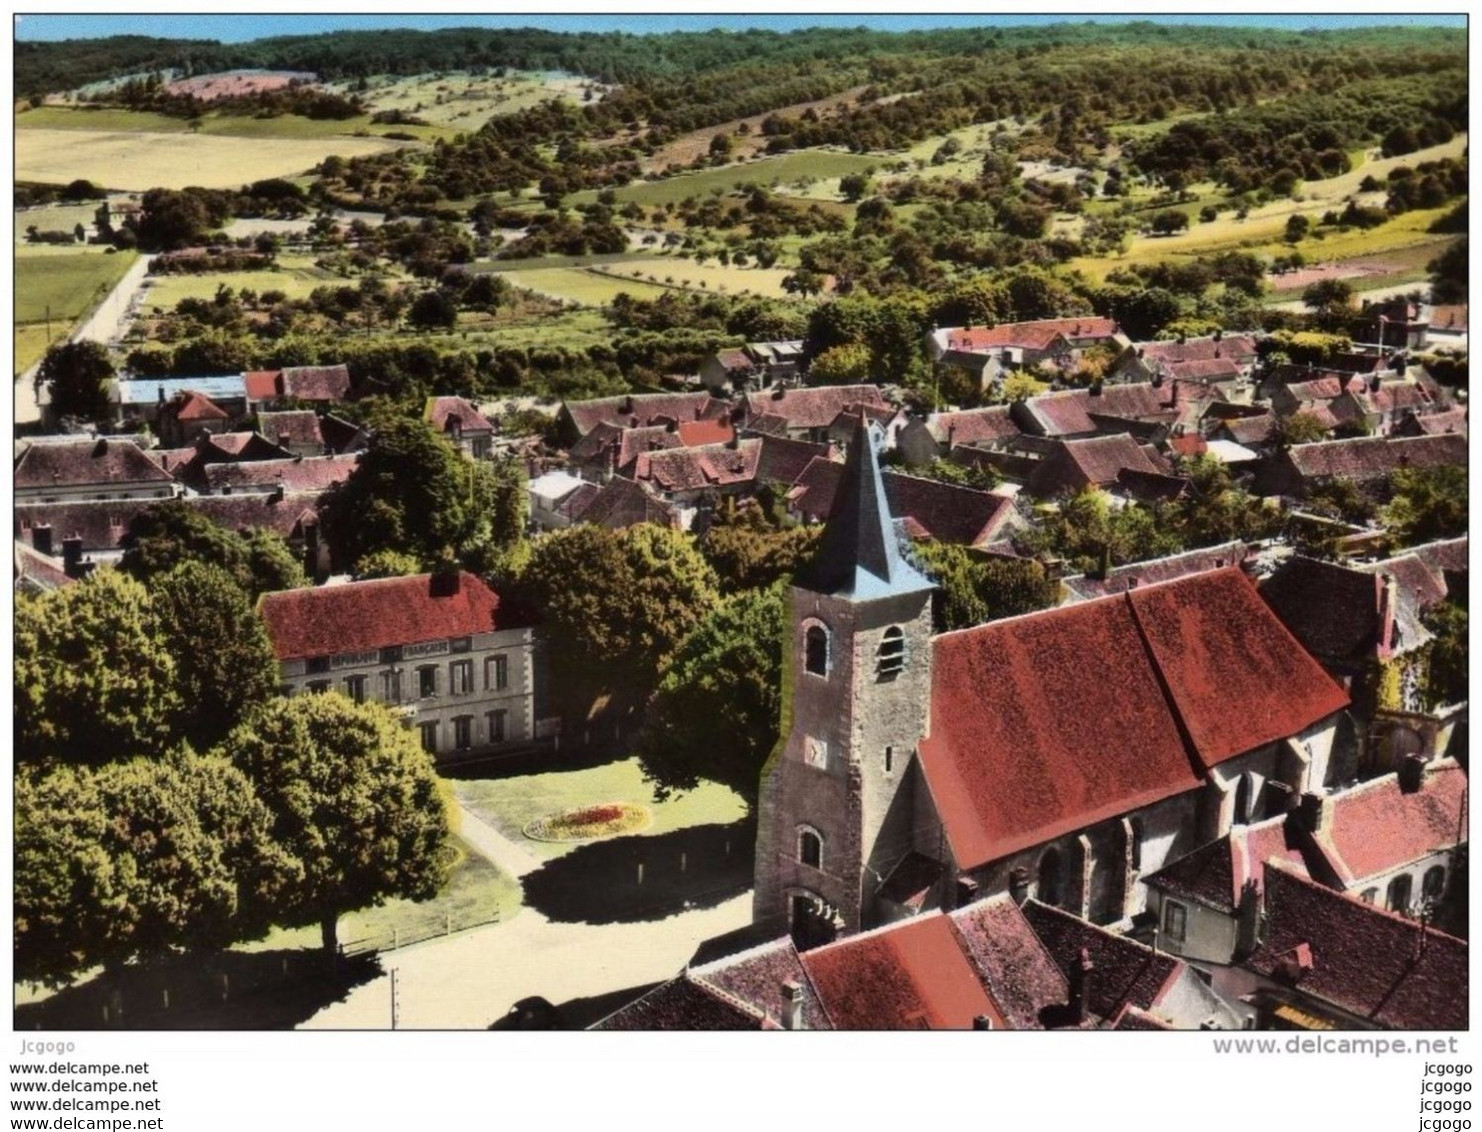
(235, 28)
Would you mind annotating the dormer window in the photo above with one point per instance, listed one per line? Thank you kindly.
(892, 655)
(815, 650)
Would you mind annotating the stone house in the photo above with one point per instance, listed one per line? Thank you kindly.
(465, 427)
(88, 469)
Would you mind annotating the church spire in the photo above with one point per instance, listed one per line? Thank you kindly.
(858, 557)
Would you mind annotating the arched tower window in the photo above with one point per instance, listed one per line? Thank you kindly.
(810, 848)
(815, 650)
(1048, 891)
(892, 655)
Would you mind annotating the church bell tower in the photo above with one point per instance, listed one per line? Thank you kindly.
(836, 807)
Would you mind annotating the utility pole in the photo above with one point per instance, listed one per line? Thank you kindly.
(395, 1005)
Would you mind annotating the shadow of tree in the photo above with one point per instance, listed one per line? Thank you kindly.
(632, 879)
(220, 990)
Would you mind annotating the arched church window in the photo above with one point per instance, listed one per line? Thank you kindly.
(1398, 898)
(1048, 891)
(892, 655)
(815, 650)
(810, 848)
(1433, 883)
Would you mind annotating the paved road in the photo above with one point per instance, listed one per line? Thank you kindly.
(470, 980)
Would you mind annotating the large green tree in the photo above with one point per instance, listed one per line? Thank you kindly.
(77, 376)
(224, 663)
(977, 588)
(716, 712)
(747, 551)
(94, 679)
(135, 858)
(413, 492)
(354, 800)
(173, 532)
(1428, 504)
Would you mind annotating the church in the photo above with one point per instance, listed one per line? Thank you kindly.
(1062, 755)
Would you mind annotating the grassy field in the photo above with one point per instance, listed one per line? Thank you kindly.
(211, 125)
(577, 285)
(706, 277)
(476, 893)
(575, 330)
(784, 170)
(456, 101)
(509, 803)
(54, 218)
(135, 161)
(295, 276)
(66, 282)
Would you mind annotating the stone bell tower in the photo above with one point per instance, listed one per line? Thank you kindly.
(836, 807)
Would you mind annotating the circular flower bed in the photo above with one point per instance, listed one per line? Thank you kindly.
(590, 822)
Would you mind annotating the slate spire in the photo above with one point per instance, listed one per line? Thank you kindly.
(858, 556)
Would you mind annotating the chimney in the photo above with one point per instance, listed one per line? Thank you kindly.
(277, 493)
(967, 891)
(1080, 991)
(161, 394)
(446, 580)
(1386, 611)
(1411, 775)
(1314, 812)
(101, 448)
(982, 1022)
(625, 406)
(792, 1005)
(41, 538)
(71, 554)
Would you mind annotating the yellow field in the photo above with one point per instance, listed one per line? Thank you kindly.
(133, 161)
(714, 277)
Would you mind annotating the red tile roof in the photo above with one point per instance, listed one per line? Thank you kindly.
(1037, 335)
(1376, 826)
(1450, 316)
(302, 473)
(37, 572)
(1059, 414)
(1126, 973)
(360, 616)
(696, 434)
(1436, 424)
(192, 406)
(908, 976)
(636, 409)
(1053, 721)
(783, 459)
(301, 426)
(236, 446)
(1333, 610)
(622, 503)
(101, 524)
(316, 383)
(440, 412)
(1198, 349)
(1370, 963)
(683, 1004)
(1250, 430)
(755, 977)
(1011, 961)
(948, 512)
(1216, 873)
(1368, 458)
(690, 469)
(974, 426)
(1078, 464)
(809, 408)
(261, 384)
(84, 463)
(1155, 570)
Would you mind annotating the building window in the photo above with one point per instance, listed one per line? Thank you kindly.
(1369, 895)
(355, 688)
(889, 759)
(1434, 883)
(463, 732)
(317, 664)
(892, 655)
(496, 673)
(496, 721)
(1242, 800)
(815, 752)
(815, 650)
(810, 848)
(1175, 920)
(319, 687)
(429, 736)
(427, 681)
(391, 687)
(1398, 898)
(460, 674)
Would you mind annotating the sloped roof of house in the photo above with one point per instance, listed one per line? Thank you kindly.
(1376, 826)
(189, 405)
(783, 459)
(442, 412)
(1367, 458)
(234, 447)
(1011, 960)
(1035, 335)
(1094, 462)
(84, 463)
(697, 434)
(1333, 610)
(1449, 316)
(257, 511)
(301, 473)
(1127, 973)
(908, 976)
(1082, 587)
(36, 572)
(101, 524)
(1055, 720)
(1250, 430)
(808, 408)
(755, 977)
(947, 512)
(974, 426)
(1215, 874)
(1391, 396)
(361, 616)
(316, 383)
(1445, 556)
(1059, 414)
(637, 409)
(144, 390)
(683, 1003)
(1197, 349)
(1152, 487)
(301, 426)
(621, 503)
(690, 469)
(734, 358)
(1363, 960)
(1436, 424)
(613, 445)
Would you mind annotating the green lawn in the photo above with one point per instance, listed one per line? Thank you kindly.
(62, 283)
(295, 276)
(509, 804)
(579, 286)
(54, 218)
(223, 125)
(785, 169)
(477, 893)
(575, 330)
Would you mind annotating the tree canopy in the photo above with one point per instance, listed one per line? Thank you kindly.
(172, 532)
(77, 376)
